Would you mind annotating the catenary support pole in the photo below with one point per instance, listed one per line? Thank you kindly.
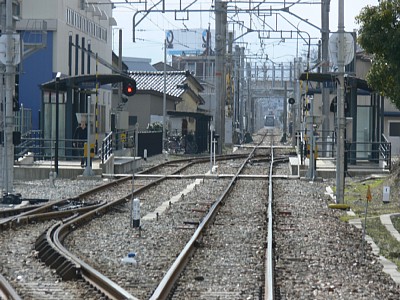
(164, 128)
(325, 68)
(9, 77)
(340, 109)
(220, 50)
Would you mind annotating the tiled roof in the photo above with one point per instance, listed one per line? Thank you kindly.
(139, 66)
(154, 81)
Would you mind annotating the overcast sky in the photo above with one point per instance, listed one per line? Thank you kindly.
(150, 31)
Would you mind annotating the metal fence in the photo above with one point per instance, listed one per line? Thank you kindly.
(43, 149)
(359, 155)
(106, 148)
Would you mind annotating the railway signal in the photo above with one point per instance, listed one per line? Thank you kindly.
(129, 89)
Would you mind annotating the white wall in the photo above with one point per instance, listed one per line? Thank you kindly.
(65, 13)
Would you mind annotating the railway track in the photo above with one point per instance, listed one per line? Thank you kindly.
(28, 290)
(141, 281)
(90, 252)
(225, 257)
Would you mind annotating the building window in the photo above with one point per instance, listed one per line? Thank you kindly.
(394, 129)
(132, 120)
(85, 25)
(191, 66)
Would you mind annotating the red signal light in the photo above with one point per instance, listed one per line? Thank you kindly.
(129, 89)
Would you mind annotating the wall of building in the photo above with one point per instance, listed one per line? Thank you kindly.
(88, 25)
(139, 105)
(143, 106)
(35, 70)
(362, 67)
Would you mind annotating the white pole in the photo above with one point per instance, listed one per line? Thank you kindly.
(211, 146)
(214, 142)
(164, 130)
(88, 170)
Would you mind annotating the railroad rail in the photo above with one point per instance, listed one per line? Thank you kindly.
(49, 245)
(69, 267)
(230, 197)
(169, 281)
(7, 291)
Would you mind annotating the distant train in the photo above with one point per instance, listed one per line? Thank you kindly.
(269, 121)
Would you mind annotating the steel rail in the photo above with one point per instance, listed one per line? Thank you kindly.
(59, 214)
(74, 267)
(44, 214)
(91, 275)
(7, 291)
(9, 212)
(101, 282)
(49, 207)
(69, 267)
(50, 247)
(38, 210)
(192, 160)
(269, 262)
(167, 283)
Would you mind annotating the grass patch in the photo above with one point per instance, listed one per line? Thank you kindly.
(388, 245)
(356, 196)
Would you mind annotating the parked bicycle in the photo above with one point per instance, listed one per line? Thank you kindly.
(173, 145)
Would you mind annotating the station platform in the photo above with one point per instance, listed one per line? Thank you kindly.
(72, 169)
(43, 169)
(326, 168)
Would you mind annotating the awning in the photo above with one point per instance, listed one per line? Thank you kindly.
(85, 81)
(329, 77)
(191, 114)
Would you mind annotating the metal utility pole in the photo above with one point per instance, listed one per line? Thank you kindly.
(119, 62)
(9, 80)
(241, 92)
(297, 106)
(340, 109)
(164, 129)
(324, 57)
(236, 89)
(284, 119)
(229, 90)
(248, 97)
(220, 50)
(2, 110)
(310, 126)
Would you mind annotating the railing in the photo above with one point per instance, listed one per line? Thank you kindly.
(360, 155)
(32, 141)
(385, 149)
(43, 149)
(124, 139)
(106, 147)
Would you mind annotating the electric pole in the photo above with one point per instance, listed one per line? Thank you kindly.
(8, 29)
(341, 122)
(241, 92)
(324, 57)
(220, 51)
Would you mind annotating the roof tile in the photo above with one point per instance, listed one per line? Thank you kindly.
(154, 81)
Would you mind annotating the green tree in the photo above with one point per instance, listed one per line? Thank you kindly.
(379, 36)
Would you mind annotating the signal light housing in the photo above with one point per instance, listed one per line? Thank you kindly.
(129, 88)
